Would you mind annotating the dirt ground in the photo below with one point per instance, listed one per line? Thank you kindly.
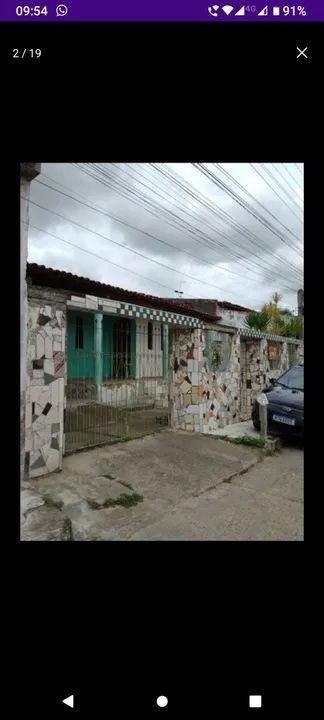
(96, 424)
(168, 486)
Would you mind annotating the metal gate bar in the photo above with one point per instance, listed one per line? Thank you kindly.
(118, 394)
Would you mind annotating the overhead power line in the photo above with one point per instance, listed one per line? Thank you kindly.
(288, 183)
(260, 204)
(245, 232)
(100, 210)
(112, 183)
(99, 257)
(292, 176)
(275, 192)
(135, 252)
(299, 170)
(292, 200)
(241, 202)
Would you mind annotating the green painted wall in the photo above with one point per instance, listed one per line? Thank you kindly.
(80, 361)
(107, 346)
(165, 352)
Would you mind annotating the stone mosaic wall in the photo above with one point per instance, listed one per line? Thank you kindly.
(256, 369)
(186, 360)
(203, 399)
(221, 391)
(46, 378)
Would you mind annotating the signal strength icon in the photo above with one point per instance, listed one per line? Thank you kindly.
(241, 11)
(227, 9)
(264, 11)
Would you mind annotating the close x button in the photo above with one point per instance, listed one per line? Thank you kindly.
(302, 53)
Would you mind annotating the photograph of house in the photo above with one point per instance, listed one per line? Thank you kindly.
(107, 364)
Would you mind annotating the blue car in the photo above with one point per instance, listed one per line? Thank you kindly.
(285, 404)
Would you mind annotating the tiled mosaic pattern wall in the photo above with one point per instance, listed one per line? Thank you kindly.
(203, 399)
(45, 399)
(256, 369)
(221, 391)
(187, 359)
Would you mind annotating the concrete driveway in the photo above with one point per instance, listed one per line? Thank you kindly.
(169, 486)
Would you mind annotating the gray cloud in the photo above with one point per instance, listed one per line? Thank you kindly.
(245, 280)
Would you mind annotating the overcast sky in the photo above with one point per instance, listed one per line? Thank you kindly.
(229, 251)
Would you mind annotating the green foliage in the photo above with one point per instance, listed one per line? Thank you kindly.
(294, 327)
(123, 499)
(257, 321)
(247, 440)
(275, 320)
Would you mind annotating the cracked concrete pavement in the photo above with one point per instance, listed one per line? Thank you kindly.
(194, 487)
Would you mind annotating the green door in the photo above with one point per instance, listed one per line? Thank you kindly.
(80, 344)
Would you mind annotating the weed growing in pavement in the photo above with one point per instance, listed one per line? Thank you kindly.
(246, 440)
(123, 500)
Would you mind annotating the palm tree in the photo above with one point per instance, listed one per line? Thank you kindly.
(276, 298)
(257, 321)
(274, 319)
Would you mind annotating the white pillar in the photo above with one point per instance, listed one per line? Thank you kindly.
(28, 171)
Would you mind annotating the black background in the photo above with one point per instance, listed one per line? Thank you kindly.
(206, 624)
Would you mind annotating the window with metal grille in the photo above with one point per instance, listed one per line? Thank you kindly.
(121, 349)
(218, 350)
(274, 355)
(79, 333)
(292, 354)
(150, 336)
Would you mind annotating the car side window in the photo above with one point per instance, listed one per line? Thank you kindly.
(294, 378)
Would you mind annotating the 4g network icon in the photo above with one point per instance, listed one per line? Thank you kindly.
(228, 9)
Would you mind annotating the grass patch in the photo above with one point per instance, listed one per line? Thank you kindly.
(124, 500)
(246, 440)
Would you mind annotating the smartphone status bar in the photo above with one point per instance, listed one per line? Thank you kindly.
(168, 10)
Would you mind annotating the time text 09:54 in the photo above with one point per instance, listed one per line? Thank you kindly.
(34, 10)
